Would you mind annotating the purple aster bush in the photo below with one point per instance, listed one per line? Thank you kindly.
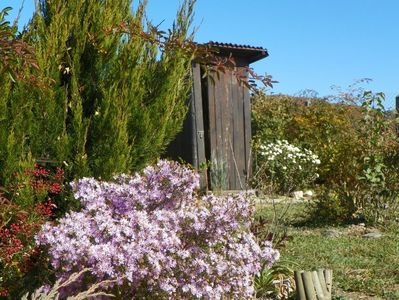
(158, 238)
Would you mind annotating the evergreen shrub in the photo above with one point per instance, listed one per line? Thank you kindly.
(112, 88)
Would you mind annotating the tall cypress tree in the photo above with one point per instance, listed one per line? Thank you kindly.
(115, 88)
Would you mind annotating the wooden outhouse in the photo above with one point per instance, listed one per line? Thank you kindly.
(216, 135)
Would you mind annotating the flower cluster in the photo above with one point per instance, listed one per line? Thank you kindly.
(288, 166)
(36, 185)
(43, 181)
(293, 153)
(17, 248)
(154, 235)
(27, 204)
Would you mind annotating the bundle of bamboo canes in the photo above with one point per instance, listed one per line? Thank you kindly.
(313, 285)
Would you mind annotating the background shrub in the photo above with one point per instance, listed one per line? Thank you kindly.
(356, 141)
(282, 167)
(330, 130)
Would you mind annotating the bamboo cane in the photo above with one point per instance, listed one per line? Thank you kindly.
(317, 286)
(320, 274)
(314, 285)
(308, 285)
(300, 290)
(328, 275)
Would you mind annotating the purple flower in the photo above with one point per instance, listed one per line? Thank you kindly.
(153, 233)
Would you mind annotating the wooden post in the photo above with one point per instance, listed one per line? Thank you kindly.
(197, 133)
(397, 111)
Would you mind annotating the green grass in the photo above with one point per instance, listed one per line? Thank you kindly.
(366, 266)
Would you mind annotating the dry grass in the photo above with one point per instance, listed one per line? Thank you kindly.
(54, 292)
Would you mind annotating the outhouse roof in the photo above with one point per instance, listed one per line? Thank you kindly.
(249, 53)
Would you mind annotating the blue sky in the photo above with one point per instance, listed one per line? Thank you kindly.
(313, 44)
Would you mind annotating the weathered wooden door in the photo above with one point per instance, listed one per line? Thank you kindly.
(228, 131)
(217, 131)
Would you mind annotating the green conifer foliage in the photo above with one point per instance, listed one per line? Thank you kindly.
(15, 114)
(113, 96)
